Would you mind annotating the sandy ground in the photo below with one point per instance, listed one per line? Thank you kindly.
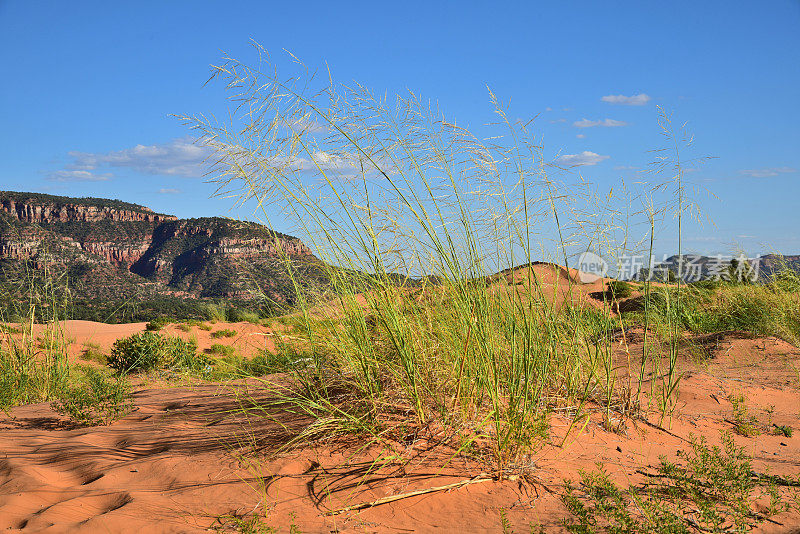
(186, 461)
(248, 340)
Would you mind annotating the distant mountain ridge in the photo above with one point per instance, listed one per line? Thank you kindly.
(696, 267)
(115, 251)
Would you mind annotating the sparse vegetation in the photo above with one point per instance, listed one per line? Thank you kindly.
(744, 423)
(220, 350)
(93, 398)
(225, 332)
(91, 352)
(618, 289)
(712, 489)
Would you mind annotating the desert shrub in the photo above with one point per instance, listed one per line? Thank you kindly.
(711, 489)
(158, 323)
(182, 355)
(147, 350)
(783, 430)
(225, 332)
(744, 423)
(213, 312)
(787, 280)
(92, 352)
(237, 315)
(139, 352)
(183, 327)
(619, 289)
(220, 350)
(756, 308)
(93, 398)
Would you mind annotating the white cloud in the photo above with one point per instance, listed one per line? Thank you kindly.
(309, 125)
(78, 176)
(605, 123)
(169, 191)
(767, 172)
(581, 136)
(625, 168)
(584, 158)
(556, 121)
(181, 157)
(634, 100)
(178, 157)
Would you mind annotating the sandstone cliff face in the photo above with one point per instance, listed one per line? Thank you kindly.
(208, 257)
(31, 212)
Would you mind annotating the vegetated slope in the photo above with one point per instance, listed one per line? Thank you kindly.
(111, 254)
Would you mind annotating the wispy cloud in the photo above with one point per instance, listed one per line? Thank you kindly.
(767, 172)
(625, 168)
(169, 191)
(584, 158)
(181, 157)
(309, 125)
(634, 100)
(580, 136)
(178, 157)
(556, 121)
(604, 123)
(78, 176)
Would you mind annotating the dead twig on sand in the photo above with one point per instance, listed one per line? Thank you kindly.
(399, 496)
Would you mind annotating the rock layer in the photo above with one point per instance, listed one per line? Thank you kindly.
(206, 257)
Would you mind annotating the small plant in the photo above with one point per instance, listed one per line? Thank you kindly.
(183, 327)
(225, 332)
(743, 423)
(91, 352)
(253, 524)
(505, 524)
(94, 398)
(221, 350)
(783, 430)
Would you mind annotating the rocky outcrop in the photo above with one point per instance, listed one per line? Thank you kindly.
(35, 212)
(206, 257)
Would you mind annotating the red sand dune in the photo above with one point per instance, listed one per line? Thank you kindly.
(184, 462)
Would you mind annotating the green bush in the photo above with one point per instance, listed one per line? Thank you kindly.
(158, 323)
(147, 350)
(222, 350)
(619, 289)
(225, 332)
(95, 398)
(92, 352)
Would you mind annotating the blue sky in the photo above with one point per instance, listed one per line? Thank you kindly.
(86, 83)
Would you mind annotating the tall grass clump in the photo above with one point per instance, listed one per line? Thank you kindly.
(33, 361)
(431, 233)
